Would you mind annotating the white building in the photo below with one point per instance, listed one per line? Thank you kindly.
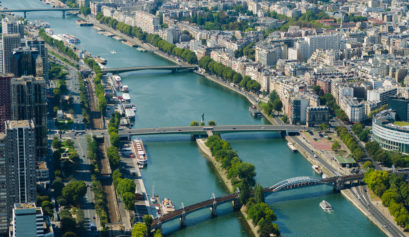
(355, 110)
(28, 221)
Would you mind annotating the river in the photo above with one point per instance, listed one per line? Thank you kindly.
(178, 171)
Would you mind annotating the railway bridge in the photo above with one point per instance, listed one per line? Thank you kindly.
(337, 182)
(63, 10)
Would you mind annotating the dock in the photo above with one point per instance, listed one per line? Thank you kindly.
(84, 23)
(129, 43)
(117, 38)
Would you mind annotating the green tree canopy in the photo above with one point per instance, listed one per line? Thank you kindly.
(74, 191)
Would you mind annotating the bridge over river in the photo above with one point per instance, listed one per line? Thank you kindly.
(337, 182)
(63, 10)
(203, 130)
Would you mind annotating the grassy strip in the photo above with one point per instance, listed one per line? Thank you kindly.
(241, 174)
(99, 89)
(100, 200)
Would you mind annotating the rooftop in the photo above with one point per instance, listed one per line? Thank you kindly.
(343, 160)
(24, 205)
(19, 124)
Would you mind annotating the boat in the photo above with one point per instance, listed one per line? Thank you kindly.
(167, 206)
(116, 81)
(153, 198)
(101, 60)
(141, 49)
(84, 23)
(125, 88)
(126, 97)
(113, 52)
(139, 150)
(292, 147)
(326, 206)
(255, 112)
(317, 169)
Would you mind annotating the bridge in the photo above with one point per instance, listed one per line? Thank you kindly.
(203, 130)
(63, 10)
(172, 68)
(338, 183)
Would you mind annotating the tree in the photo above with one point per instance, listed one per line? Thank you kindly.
(367, 165)
(56, 143)
(388, 196)
(317, 90)
(67, 221)
(126, 185)
(377, 181)
(58, 186)
(194, 123)
(202, 123)
(211, 123)
(147, 219)
(139, 230)
(129, 200)
(277, 105)
(285, 119)
(244, 188)
(158, 233)
(74, 191)
(335, 146)
(115, 140)
(69, 234)
(323, 127)
(259, 193)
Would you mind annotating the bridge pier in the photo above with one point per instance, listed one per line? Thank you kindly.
(25, 14)
(63, 14)
(182, 219)
(213, 211)
(236, 204)
(213, 208)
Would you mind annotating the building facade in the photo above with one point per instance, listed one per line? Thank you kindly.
(10, 42)
(5, 102)
(28, 221)
(317, 115)
(28, 102)
(389, 136)
(39, 44)
(26, 62)
(4, 220)
(400, 106)
(20, 162)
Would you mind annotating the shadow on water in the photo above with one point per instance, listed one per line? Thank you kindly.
(299, 194)
(227, 136)
(223, 211)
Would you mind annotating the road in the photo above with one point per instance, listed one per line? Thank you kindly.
(362, 196)
(203, 129)
(83, 173)
(80, 142)
(322, 161)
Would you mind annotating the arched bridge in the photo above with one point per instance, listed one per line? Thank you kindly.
(338, 183)
(63, 10)
(173, 68)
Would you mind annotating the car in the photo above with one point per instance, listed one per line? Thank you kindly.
(233, 128)
(179, 130)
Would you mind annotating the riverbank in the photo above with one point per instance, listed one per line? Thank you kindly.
(201, 143)
(206, 76)
(170, 58)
